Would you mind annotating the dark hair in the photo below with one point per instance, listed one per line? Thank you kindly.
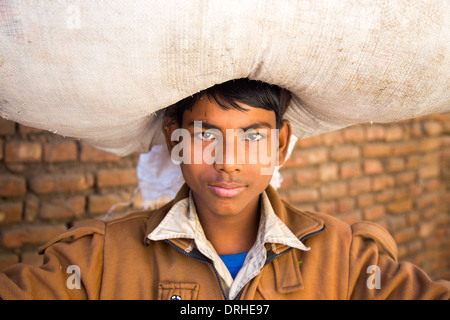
(254, 93)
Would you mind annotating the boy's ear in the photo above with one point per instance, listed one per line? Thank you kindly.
(284, 138)
(169, 125)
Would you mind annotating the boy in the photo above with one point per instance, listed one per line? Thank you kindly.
(227, 234)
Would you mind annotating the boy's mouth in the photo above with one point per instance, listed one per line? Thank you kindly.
(226, 190)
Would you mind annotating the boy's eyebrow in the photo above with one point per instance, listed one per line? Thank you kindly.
(256, 125)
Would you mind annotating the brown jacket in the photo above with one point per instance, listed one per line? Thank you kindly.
(114, 260)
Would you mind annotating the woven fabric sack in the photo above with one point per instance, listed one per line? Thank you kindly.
(101, 70)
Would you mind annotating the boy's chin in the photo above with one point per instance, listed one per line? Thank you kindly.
(227, 212)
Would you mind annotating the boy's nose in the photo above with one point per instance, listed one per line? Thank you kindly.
(230, 159)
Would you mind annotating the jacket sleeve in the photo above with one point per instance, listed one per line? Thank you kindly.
(376, 274)
(72, 268)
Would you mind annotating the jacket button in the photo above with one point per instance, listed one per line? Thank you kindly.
(175, 297)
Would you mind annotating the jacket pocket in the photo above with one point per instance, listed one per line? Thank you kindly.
(178, 291)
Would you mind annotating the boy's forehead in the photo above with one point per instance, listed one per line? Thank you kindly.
(208, 111)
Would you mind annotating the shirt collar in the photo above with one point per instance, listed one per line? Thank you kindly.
(182, 222)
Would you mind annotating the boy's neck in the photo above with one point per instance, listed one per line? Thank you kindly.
(234, 233)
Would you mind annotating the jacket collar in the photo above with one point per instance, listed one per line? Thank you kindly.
(182, 222)
(301, 224)
(293, 222)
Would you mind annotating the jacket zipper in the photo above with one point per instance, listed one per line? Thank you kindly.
(313, 234)
(269, 260)
(201, 260)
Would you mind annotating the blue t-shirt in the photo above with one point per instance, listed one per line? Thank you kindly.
(234, 262)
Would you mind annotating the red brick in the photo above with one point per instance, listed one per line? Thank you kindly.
(332, 138)
(430, 144)
(430, 171)
(31, 207)
(350, 170)
(432, 184)
(412, 161)
(306, 176)
(98, 204)
(377, 150)
(413, 218)
(61, 151)
(351, 217)
(346, 205)
(7, 127)
(405, 147)
(394, 133)
(288, 181)
(307, 157)
(11, 185)
(359, 185)
(395, 164)
(415, 189)
(375, 132)
(10, 212)
(328, 171)
(385, 196)
(402, 192)
(431, 212)
(397, 222)
(426, 200)
(382, 182)
(346, 152)
(328, 207)
(374, 213)
(308, 142)
(23, 151)
(334, 190)
(416, 130)
(406, 177)
(303, 195)
(433, 128)
(116, 177)
(433, 157)
(91, 154)
(30, 234)
(373, 166)
(51, 183)
(63, 208)
(400, 206)
(365, 200)
(426, 229)
(405, 235)
(355, 134)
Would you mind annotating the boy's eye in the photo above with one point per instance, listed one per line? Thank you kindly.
(254, 136)
(205, 136)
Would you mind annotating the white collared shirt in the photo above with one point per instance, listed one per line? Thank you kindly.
(182, 222)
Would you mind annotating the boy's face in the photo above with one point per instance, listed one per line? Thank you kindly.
(228, 179)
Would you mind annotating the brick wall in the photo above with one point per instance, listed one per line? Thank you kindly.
(48, 183)
(394, 174)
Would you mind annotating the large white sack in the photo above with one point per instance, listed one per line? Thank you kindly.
(98, 70)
